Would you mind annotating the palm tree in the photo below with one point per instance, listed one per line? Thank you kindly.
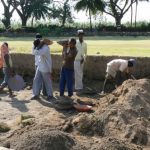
(8, 11)
(131, 13)
(91, 6)
(136, 3)
(24, 9)
(136, 8)
(40, 9)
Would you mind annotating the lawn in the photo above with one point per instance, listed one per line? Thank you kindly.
(123, 46)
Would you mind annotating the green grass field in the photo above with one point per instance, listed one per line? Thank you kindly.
(122, 46)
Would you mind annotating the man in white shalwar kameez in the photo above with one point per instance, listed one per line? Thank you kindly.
(79, 60)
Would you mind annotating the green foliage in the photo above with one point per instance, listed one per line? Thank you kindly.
(62, 12)
(118, 9)
(93, 6)
(70, 29)
(2, 30)
(90, 6)
(40, 9)
(43, 31)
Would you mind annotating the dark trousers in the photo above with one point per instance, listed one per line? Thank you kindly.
(5, 80)
(66, 77)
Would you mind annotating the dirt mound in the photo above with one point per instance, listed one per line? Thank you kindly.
(124, 114)
(44, 140)
(114, 144)
(88, 124)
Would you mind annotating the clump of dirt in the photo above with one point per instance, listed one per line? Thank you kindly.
(88, 124)
(26, 120)
(4, 127)
(63, 103)
(44, 140)
(124, 114)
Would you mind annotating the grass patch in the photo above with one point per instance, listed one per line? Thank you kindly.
(121, 46)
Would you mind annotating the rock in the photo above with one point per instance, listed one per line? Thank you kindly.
(26, 116)
(27, 122)
(64, 103)
(4, 127)
(67, 127)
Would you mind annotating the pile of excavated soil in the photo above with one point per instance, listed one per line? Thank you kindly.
(120, 121)
(44, 140)
(123, 114)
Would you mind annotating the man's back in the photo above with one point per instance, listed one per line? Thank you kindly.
(118, 64)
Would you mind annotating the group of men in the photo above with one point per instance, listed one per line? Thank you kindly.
(74, 54)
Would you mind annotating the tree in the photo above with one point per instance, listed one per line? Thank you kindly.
(7, 13)
(40, 9)
(24, 9)
(91, 6)
(62, 12)
(136, 10)
(131, 13)
(66, 13)
(117, 9)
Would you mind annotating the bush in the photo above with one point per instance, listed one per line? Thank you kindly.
(70, 29)
(44, 31)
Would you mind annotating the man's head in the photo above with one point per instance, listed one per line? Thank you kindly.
(72, 42)
(36, 43)
(80, 34)
(38, 36)
(131, 62)
(6, 44)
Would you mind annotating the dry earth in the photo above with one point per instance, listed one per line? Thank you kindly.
(118, 121)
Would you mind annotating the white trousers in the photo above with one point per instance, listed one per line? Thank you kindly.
(37, 83)
(78, 70)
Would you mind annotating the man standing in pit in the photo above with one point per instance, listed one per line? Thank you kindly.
(44, 69)
(119, 70)
(39, 37)
(67, 71)
(79, 61)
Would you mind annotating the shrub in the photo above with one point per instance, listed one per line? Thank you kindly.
(43, 30)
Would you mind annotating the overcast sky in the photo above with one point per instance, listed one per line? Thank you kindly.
(143, 14)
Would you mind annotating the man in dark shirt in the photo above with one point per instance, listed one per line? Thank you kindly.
(67, 71)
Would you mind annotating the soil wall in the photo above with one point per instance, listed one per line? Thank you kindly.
(95, 66)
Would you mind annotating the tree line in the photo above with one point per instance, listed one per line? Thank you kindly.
(62, 10)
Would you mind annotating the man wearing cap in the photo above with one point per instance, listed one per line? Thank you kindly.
(79, 60)
(120, 70)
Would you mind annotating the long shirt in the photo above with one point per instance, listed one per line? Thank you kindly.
(44, 60)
